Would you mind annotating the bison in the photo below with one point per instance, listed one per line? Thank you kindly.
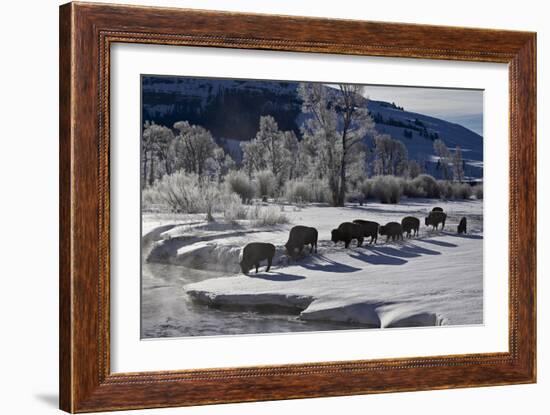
(255, 252)
(437, 209)
(346, 232)
(392, 230)
(435, 218)
(461, 228)
(369, 229)
(300, 236)
(410, 223)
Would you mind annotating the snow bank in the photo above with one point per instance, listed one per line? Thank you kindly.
(423, 282)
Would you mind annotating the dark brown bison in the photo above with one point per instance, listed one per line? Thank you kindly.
(461, 228)
(437, 209)
(346, 232)
(255, 252)
(369, 229)
(410, 224)
(392, 230)
(435, 218)
(300, 236)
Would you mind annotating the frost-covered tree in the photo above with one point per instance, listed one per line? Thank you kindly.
(271, 149)
(275, 153)
(266, 184)
(458, 165)
(444, 158)
(334, 131)
(294, 165)
(391, 156)
(414, 169)
(253, 157)
(219, 164)
(156, 142)
(194, 145)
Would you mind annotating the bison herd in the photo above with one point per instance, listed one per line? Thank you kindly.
(303, 236)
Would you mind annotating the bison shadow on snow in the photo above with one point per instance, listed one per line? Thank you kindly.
(465, 236)
(406, 251)
(440, 243)
(378, 258)
(277, 276)
(329, 265)
(387, 255)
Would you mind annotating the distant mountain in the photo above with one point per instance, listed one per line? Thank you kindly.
(231, 110)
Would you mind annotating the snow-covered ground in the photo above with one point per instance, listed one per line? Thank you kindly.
(430, 280)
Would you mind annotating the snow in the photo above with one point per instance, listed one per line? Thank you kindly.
(430, 280)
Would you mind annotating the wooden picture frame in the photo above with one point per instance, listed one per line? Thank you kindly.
(86, 33)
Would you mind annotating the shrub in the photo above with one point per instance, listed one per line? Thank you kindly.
(151, 199)
(366, 188)
(318, 191)
(266, 184)
(267, 216)
(478, 191)
(183, 193)
(462, 191)
(423, 185)
(445, 189)
(297, 191)
(232, 207)
(388, 189)
(307, 191)
(239, 183)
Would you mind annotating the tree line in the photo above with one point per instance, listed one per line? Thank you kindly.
(331, 148)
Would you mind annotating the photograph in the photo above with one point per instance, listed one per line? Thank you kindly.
(292, 206)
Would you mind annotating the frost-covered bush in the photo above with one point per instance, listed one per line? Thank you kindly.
(266, 184)
(478, 191)
(445, 189)
(297, 191)
(388, 189)
(307, 191)
(182, 193)
(232, 207)
(423, 185)
(239, 183)
(366, 188)
(151, 199)
(266, 216)
(462, 191)
(318, 191)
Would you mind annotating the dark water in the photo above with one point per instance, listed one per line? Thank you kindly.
(167, 311)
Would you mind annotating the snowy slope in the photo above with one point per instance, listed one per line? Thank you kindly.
(423, 130)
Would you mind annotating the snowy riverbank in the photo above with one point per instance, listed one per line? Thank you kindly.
(431, 280)
(423, 282)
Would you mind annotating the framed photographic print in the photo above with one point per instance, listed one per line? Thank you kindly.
(254, 208)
